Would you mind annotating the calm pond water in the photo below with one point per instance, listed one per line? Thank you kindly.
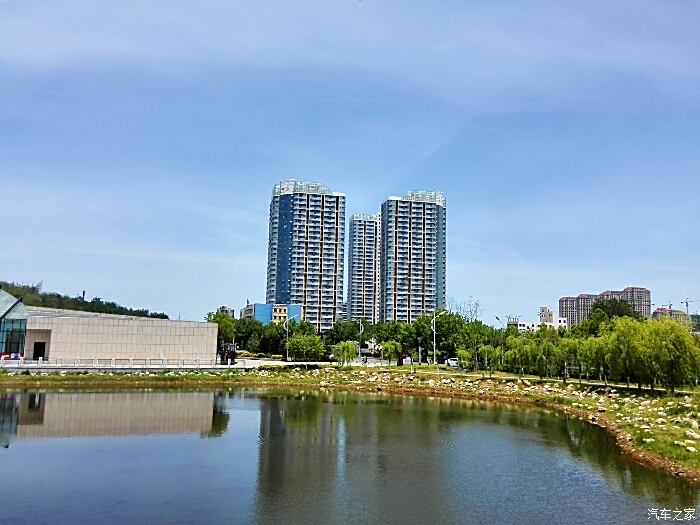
(295, 456)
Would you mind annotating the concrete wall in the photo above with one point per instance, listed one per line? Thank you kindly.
(70, 335)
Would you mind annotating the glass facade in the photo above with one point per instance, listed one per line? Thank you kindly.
(306, 251)
(413, 262)
(13, 326)
(12, 334)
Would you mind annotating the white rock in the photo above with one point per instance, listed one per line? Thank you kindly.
(690, 449)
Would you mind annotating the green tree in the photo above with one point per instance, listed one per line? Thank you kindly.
(488, 352)
(306, 347)
(592, 326)
(623, 347)
(226, 332)
(342, 331)
(272, 339)
(615, 308)
(346, 352)
(33, 295)
(464, 357)
(391, 350)
(674, 351)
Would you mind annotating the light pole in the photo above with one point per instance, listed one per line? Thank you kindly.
(286, 329)
(359, 346)
(435, 316)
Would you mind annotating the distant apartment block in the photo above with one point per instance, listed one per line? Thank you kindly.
(578, 309)
(223, 309)
(306, 252)
(546, 318)
(677, 315)
(413, 250)
(363, 268)
(271, 313)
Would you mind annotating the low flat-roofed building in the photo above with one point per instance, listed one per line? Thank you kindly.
(54, 334)
(547, 319)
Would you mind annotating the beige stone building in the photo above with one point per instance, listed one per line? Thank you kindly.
(69, 335)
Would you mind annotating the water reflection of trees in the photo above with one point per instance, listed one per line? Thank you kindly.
(583, 440)
(219, 417)
(322, 419)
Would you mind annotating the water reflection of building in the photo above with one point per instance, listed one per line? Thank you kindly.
(59, 414)
(299, 442)
(8, 418)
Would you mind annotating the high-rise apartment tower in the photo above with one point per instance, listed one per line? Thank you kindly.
(413, 249)
(305, 263)
(363, 268)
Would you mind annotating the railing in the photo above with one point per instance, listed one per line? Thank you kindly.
(118, 364)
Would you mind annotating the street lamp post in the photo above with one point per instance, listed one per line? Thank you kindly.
(359, 346)
(286, 329)
(435, 316)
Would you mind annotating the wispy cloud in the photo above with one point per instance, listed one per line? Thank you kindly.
(456, 49)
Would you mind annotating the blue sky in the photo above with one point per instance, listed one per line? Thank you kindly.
(141, 140)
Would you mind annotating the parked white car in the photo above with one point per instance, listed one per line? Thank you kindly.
(452, 362)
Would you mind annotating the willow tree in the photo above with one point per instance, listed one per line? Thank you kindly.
(345, 352)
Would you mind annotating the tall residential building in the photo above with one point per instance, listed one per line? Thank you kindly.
(578, 309)
(363, 268)
(413, 251)
(306, 254)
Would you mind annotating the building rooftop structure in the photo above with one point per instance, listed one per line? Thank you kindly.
(434, 197)
(291, 186)
(11, 307)
(42, 311)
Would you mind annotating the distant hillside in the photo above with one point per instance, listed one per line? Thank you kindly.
(32, 295)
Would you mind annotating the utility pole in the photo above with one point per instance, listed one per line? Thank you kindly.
(286, 329)
(435, 316)
(359, 346)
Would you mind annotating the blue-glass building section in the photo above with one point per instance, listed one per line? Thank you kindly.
(441, 259)
(263, 313)
(294, 311)
(284, 249)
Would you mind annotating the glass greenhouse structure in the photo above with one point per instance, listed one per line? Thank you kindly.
(13, 326)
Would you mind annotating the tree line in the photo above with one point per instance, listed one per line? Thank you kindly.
(614, 344)
(33, 295)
